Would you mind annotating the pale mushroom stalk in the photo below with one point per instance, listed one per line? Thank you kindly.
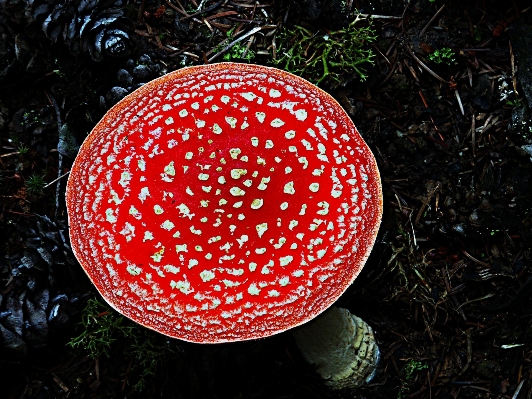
(341, 346)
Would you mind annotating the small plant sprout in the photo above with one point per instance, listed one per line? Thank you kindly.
(22, 149)
(409, 373)
(444, 55)
(35, 184)
(239, 51)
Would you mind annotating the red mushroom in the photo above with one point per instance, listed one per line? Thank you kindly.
(223, 203)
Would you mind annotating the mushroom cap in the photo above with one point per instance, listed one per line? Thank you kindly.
(224, 202)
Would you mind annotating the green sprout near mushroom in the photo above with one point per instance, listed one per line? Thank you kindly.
(239, 51)
(444, 55)
(334, 57)
(35, 184)
(22, 150)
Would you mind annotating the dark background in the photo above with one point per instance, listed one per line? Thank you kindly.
(447, 288)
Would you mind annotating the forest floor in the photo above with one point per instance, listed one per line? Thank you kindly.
(445, 108)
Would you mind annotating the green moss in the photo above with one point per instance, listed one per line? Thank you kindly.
(329, 57)
(444, 55)
(409, 372)
(238, 52)
(107, 334)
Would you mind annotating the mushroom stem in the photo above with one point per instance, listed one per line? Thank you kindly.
(341, 346)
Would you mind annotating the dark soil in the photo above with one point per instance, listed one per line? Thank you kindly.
(448, 286)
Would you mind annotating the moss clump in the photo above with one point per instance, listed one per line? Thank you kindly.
(109, 335)
(333, 57)
(444, 55)
(238, 52)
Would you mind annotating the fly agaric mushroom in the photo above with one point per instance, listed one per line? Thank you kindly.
(224, 202)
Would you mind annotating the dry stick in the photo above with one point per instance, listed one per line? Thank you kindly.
(191, 55)
(246, 21)
(222, 43)
(426, 68)
(242, 5)
(175, 8)
(374, 16)
(222, 51)
(412, 71)
(490, 69)
(431, 20)
(97, 368)
(56, 179)
(459, 101)
(208, 25)
(20, 214)
(512, 63)
(426, 104)
(60, 161)
(250, 42)
(127, 374)
(381, 54)
(518, 389)
(62, 385)
(179, 52)
(426, 202)
(220, 15)
(469, 352)
(471, 257)
(263, 11)
(447, 281)
(473, 134)
(392, 70)
(9, 154)
(204, 11)
(140, 14)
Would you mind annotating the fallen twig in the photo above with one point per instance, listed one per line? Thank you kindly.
(426, 68)
(222, 51)
(512, 63)
(376, 16)
(56, 179)
(60, 157)
(204, 11)
(431, 20)
(457, 95)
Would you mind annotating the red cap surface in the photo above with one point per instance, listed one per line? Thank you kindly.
(224, 202)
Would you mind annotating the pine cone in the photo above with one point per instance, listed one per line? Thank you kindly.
(98, 27)
(40, 294)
